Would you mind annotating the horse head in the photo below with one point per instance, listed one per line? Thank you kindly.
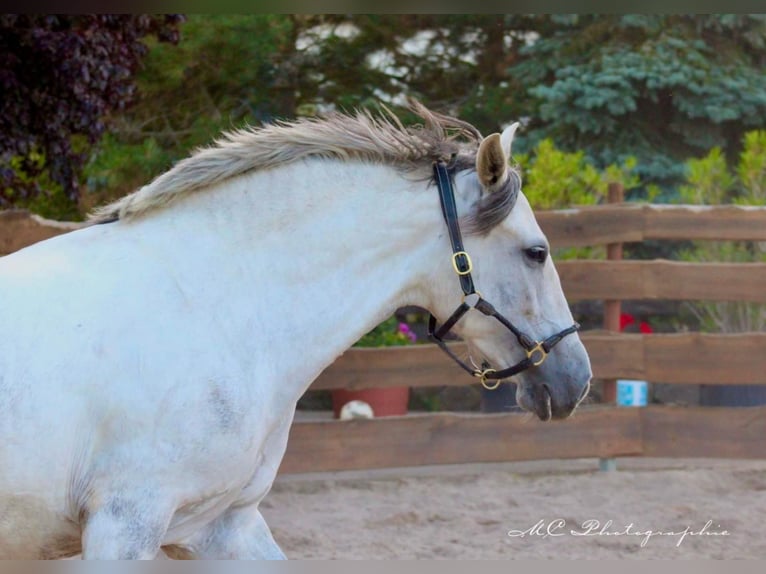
(505, 271)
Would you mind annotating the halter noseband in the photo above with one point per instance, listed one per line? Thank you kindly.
(537, 351)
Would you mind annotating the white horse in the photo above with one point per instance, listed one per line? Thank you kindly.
(150, 363)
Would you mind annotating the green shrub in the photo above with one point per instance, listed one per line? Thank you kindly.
(711, 182)
(222, 75)
(555, 179)
(390, 333)
(50, 200)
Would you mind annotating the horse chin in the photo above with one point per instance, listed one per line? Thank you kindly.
(538, 398)
(537, 402)
(535, 399)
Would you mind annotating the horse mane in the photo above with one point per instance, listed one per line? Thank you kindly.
(380, 138)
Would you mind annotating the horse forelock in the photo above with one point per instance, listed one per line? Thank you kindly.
(361, 136)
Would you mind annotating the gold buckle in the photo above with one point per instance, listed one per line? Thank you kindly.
(467, 258)
(538, 348)
(482, 375)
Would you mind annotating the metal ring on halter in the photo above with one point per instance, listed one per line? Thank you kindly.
(479, 297)
(538, 348)
(482, 375)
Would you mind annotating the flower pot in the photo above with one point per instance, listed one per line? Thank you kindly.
(385, 402)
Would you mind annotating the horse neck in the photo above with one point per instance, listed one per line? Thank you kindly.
(305, 259)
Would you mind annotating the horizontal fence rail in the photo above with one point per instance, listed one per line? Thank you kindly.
(630, 222)
(19, 229)
(457, 438)
(660, 279)
(684, 358)
(589, 225)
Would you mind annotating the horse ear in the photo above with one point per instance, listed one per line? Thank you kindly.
(507, 137)
(491, 163)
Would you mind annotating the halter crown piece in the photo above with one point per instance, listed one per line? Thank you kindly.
(537, 351)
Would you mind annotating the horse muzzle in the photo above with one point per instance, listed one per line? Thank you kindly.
(554, 400)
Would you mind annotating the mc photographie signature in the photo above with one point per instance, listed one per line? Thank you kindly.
(592, 527)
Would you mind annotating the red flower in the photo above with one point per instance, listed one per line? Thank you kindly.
(644, 327)
(625, 320)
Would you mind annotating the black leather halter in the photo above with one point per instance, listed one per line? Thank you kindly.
(537, 351)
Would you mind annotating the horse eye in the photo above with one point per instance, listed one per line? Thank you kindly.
(538, 253)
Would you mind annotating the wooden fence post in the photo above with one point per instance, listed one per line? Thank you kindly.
(612, 311)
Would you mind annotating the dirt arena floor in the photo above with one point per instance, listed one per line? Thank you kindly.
(558, 509)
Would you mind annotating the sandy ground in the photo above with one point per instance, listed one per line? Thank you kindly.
(467, 511)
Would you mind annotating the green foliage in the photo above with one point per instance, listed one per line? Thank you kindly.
(51, 201)
(61, 75)
(224, 73)
(390, 333)
(710, 182)
(555, 179)
(228, 70)
(225, 66)
(431, 403)
(116, 167)
(660, 87)
(751, 169)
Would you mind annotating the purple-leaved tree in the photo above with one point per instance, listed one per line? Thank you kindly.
(60, 75)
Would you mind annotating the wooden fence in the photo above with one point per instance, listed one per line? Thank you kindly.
(598, 431)
(19, 228)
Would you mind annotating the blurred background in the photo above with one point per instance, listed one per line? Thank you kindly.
(94, 106)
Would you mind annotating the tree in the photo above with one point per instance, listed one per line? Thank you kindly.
(60, 76)
(453, 62)
(225, 71)
(659, 87)
(230, 70)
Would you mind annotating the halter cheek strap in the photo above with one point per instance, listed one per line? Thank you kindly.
(536, 351)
